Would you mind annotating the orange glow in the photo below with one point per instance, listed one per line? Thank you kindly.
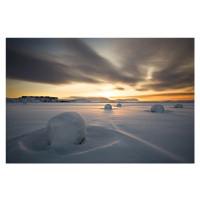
(107, 94)
(15, 89)
(160, 97)
(166, 98)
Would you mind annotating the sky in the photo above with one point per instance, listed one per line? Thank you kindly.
(141, 68)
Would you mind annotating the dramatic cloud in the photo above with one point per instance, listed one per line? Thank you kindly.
(25, 67)
(145, 64)
(166, 63)
(76, 62)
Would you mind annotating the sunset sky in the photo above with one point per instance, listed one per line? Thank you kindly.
(142, 68)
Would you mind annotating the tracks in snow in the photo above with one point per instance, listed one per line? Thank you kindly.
(167, 153)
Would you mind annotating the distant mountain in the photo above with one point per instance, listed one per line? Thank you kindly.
(97, 100)
(86, 100)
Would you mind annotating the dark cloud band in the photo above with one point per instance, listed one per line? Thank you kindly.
(65, 61)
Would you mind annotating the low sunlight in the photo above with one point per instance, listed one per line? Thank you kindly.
(107, 94)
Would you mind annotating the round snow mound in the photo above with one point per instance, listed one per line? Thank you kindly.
(157, 109)
(108, 107)
(66, 127)
(178, 106)
(119, 105)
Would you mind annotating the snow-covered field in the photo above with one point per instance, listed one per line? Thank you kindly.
(127, 134)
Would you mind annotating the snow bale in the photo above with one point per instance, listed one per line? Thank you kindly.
(157, 108)
(108, 107)
(178, 105)
(119, 105)
(66, 127)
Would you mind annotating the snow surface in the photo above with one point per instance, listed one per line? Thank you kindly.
(126, 135)
(157, 108)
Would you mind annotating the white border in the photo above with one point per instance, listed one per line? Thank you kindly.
(99, 19)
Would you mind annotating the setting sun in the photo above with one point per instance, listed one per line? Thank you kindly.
(107, 94)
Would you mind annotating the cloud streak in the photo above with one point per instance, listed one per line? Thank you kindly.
(144, 64)
(171, 62)
(119, 88)
(77, 63)
(25, 67)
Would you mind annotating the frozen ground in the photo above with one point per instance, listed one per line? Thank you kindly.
(128, 134)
